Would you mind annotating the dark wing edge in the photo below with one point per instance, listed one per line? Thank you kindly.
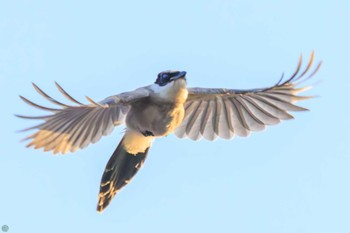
(213, 112)
(198, 92)
(72, 127)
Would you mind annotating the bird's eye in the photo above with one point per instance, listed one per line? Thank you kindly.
(165, 76)
(163, 79)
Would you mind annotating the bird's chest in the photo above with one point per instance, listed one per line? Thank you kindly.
(158, 119)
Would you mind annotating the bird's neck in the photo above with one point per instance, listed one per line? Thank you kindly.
(175, 93)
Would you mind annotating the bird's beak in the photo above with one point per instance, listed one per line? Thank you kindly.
(181, 74)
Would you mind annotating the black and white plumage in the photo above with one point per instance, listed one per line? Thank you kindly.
(157, 110)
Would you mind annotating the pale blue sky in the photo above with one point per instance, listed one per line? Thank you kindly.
(293, 177)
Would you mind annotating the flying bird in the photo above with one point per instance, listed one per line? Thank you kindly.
(154, 111)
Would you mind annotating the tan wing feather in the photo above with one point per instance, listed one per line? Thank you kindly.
(230, 112)
(70, 128)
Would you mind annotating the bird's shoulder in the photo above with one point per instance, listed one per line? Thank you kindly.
(129, 97)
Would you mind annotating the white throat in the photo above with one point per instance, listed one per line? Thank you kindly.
(175, 92)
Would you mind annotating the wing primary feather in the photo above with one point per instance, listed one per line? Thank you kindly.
(181, 130)
(269, 119)
(315, 71)
(29, 137)
(189, 111)
(288, 106)
(205, 117)
(34, 117)
(88, 133)
(215, 117)
(59, 117)
(105, 121)
(65, 94)
(39, 126)
(208, 130)
(237, 124)
(307, 67)
(94, 103)
(188, 106)
(248, 98)
(38, 106)
(117, 116)
(98, 131)
(59, 129)
(80, 129)
(288, 96)
(66, 144)
(296, 71)
(228, 115)
(280, 80)
(109, 123)
(246, 108)
(281, 112)
(239, 111)
(224, 124)
(310, 76)
(30, 128)
(49, 98)
(277, 85)
(253, 123)
(193, 117)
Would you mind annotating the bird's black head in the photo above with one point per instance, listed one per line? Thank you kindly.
(166, 77)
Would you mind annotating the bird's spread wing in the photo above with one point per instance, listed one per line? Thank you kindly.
(226, 112)
(69, 128)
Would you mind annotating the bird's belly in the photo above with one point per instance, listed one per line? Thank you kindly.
(169, 122)
(158, 120)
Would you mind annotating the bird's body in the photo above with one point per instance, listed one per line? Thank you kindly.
(157, 110)
(154, 116)
(159, 115)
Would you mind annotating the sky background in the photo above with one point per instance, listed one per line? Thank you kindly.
(293, 177)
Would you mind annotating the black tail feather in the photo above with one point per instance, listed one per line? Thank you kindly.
(120, 169)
